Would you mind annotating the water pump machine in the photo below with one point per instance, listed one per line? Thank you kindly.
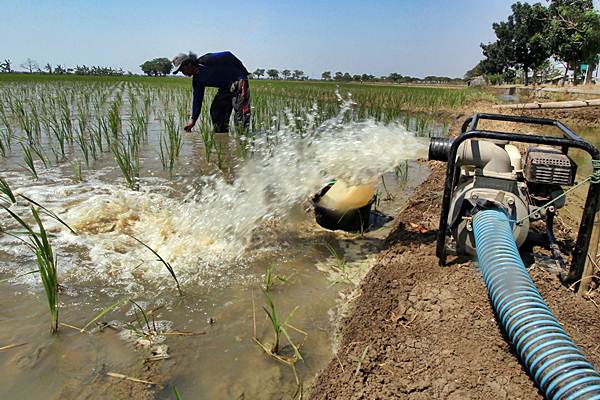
(493, 191)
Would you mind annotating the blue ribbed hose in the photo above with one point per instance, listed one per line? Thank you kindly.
(557, 366)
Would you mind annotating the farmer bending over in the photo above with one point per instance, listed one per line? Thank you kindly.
(225, 72)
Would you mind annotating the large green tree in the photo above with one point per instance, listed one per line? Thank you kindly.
(157, 66)
(520, 41)
(6, 66)
(258, 73)
(574, 33)
(529, 46)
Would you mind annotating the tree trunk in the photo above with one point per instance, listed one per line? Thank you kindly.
(589, 73)
(575, 70)
(565, 75)
(526, 72)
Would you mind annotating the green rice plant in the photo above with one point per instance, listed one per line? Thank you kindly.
(140, 329)
(271, 278)
(401, 171)
(7, 132)
(170, 143)
(24, 120)
(219, 154)
(49, 213)
(7, 191)
(54, 126)
(340, 266)
(176, 393)
(77, 170)
(39, 244)
(20, 275)
(208, 139)
(66, 121)
(166, 264)
(83, 146)
(114, 120)
(340, 263)
(279, 327)
(360, 360)
(103, 312)
(128, 159)
(29, 163)
(3, 146)
(41, 155)
(389, 196)
(97, 132)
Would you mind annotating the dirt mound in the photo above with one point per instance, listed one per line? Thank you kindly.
(585, 116)
(422, 331)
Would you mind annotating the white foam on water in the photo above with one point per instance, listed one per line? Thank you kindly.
(206, 235)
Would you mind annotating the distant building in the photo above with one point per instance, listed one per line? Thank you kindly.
(477, 81)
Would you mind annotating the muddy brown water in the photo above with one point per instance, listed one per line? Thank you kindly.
(216, 358)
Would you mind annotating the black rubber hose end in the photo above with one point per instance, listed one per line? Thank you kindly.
(439, 148)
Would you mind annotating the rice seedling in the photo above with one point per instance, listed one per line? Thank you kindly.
(103, 312)
(208, 138)
(359, 361)
(81, 139)
(271, 278)
(170, 143)
(176, 393)
(99, 131)
(140, 325)
(279, 329)
(340, 265)
(54, 126)
(21, 275)
(41, 155)
(49, 213)
(127, 157)
(7, 132)
(5, 142)
(77, 170)
(65, 117)
(219, 154)
(7, 191)
(166, 264)
(29, 163)
(39, 244)
(389, 196)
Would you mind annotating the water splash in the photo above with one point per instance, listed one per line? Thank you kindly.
(211, 229)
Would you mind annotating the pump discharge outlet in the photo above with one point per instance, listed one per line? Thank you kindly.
(340, 206)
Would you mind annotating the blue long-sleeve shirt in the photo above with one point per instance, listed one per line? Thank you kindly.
(218, 70)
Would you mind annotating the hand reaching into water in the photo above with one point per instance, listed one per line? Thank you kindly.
(188, 127)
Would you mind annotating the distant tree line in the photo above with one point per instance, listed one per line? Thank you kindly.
(296, 75)
(31, 66)
(392, 77)
(536, 36)
(339, 76)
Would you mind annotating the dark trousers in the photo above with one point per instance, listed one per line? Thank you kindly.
(236, 98)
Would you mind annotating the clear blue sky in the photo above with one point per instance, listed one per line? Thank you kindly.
(411, 37)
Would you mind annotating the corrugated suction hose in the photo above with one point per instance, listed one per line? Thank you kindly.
(557, 366)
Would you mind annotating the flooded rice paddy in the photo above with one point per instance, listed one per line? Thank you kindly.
(227, 212)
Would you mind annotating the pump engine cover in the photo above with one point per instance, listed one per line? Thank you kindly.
(547, 165)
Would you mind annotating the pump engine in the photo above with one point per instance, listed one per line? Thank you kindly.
(487, 170)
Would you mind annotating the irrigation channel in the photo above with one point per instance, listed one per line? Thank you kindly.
(229, 213)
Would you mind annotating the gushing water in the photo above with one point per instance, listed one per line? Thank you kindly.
(210, 229)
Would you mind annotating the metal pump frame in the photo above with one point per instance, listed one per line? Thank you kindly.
(570, 139)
